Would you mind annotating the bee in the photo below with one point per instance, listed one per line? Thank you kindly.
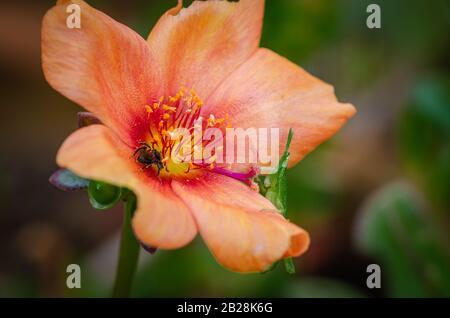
(147, 156)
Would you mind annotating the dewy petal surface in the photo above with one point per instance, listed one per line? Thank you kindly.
(161, 219)
(104, 66)
(270, 91)
(200, 45)
(241, 228)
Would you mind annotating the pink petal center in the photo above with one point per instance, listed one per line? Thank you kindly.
(174, 127)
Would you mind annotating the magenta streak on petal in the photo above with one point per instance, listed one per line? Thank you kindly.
(237, 175)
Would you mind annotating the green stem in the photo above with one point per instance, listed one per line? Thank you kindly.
(129, 252)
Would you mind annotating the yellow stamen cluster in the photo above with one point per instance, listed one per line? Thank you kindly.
(179, 111)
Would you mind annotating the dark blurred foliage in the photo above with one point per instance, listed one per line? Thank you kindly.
(378, 192)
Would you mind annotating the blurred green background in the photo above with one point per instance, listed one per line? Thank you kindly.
(378, 192)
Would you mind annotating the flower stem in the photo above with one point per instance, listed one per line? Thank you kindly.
(129, 252)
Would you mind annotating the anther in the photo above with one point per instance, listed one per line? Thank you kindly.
(148, 109)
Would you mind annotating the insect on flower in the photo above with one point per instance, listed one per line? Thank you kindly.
(148, 156)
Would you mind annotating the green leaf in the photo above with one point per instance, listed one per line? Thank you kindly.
(424, 139)
(395, 229)
(289, 265)
(274, 188)
(66, 180)
(102, 195)
(276, 184)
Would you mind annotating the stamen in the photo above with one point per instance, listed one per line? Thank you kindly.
(148, 109)
(169, 108)
(211, 120)
(182, 110)
(253, 172)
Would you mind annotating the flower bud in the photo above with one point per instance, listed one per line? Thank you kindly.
(103, 195)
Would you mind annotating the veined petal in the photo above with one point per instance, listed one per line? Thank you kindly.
(104, 66)
(241, 228)
(200, 45)
(161, 219)
(268, 91)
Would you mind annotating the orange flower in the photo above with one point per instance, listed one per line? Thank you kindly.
(198, 61)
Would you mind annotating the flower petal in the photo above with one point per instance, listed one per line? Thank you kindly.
(161, 219)
(268, 91)
(241, 228)
(200, 45)
(103, 66)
